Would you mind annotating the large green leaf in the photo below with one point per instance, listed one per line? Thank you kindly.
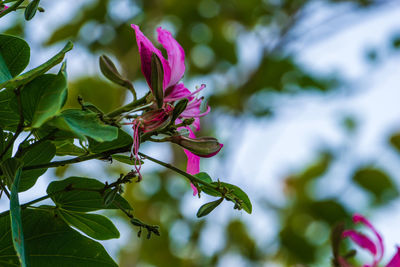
(16, 222)
(85, 123)
(376, 182)
(14, 56)
(82, 200)
(67, 147)
(35, 155)
(4, 138)
(32, 74)
(94, 225)
(9, 168)
(43, 97)
(50, 242)
(123, 139)
(9, 117)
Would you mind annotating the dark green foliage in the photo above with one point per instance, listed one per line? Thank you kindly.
(82, 200)
(377, 182)
(49, 241)
(14, 56)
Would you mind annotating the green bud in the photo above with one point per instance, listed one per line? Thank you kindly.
(202, 146)
(157, 77)
(179, 108)
(109, 70)
(208, 207)
(30, 10)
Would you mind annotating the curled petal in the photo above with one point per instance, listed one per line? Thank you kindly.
(395, 261)
(176, 57)
(361, 240)
(358, 218)
(146, 48)
(193, 109)
(176, 92)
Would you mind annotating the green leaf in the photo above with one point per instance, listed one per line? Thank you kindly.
(235, 192)
(9, 168)
(16, 222)
(67, 147)
(239, 194)
(9, 118)
(4, 138)
(85, 123)
(94, 225)
(14, 56)
(36, 155)
(43, 97)
(157, 76)
(208, 207)
(83, 200)
(204, 176)
(32, 74)
(376, 182)
(122, 140)
(31, 9)
(50, 242)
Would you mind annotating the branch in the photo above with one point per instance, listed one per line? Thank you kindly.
(11, 8)
(104, 154)
(193, 179)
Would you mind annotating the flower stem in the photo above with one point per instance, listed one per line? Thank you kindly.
(128, 107)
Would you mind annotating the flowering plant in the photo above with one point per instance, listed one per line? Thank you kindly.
(33, 104)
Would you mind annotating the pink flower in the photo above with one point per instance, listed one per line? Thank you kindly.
(372, 245)
(173, 89)
(173, 68)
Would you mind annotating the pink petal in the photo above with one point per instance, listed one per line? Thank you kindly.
(176, 56)
(193, 163)
(176, 92)
(361, 240)
(395, 261)
(195, 192)
(358, 218)
(193, 109)
(146, 48)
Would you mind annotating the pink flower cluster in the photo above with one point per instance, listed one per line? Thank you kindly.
(174, 90)
(373, 245)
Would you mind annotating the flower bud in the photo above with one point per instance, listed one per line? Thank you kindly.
(109, 70)
(203, 146)
(155, 119)
(157, 77)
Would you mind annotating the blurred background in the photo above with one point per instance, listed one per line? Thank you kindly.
(304, 95)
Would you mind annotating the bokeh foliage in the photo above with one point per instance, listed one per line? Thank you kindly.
(210, 31)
